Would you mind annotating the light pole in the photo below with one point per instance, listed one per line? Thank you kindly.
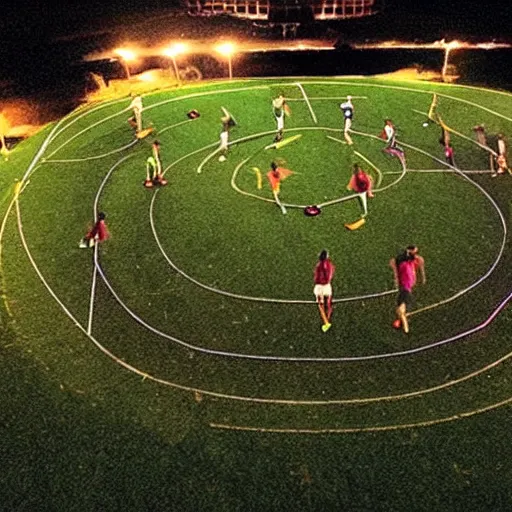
(448, 47)
(227, 50)
(172, 52)
(126, 56)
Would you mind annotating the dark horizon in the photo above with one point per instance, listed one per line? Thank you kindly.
(41, 48)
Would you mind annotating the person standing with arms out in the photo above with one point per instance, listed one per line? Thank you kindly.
(361, 184)
(347, 108)
(280, 108)
(324, 272)
(405, 266)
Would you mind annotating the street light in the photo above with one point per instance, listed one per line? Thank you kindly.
(227, 49)
(447, 48)
(126, 56)
(173, 51)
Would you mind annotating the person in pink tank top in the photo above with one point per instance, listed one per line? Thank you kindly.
(405, 266)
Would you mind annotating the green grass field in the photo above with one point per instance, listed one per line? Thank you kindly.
(182, 365)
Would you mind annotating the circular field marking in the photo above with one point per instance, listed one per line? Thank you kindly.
(486, 368)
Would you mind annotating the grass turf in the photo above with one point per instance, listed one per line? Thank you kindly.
(79, 413)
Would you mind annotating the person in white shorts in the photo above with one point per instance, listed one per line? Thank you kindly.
(279, 107)
(347, 108)
(324, 271)
(136, 105)
(227, 123)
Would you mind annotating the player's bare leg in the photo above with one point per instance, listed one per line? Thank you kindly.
(281, 205)
(401, 315)
(329, 308)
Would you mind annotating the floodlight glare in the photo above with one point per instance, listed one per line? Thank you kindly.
(126, 56)
(227, 49)
(175, 50)
(172, 52)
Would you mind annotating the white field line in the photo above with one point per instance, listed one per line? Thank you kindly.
(353, 430)
(420, 91)
(328, 98)
(95, 157)
(455, 132)
(337, 140)
(93, 291)
(313, 115)
(426, 171)
(235, 397)
(41, 277)
(95, 259)
(176, 125)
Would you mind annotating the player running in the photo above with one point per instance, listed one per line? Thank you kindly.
(405, 266)
(275, 176)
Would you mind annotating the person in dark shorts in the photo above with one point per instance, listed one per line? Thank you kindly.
(405, 266)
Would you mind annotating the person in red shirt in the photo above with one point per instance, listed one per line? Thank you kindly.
(405, 266)
(448, 154)
(98, 233)
(275, 176)
(324, 272)
(361, 183)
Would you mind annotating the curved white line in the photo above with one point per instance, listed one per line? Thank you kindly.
(312, 112)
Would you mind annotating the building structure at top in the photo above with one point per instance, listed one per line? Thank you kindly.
(285, 11)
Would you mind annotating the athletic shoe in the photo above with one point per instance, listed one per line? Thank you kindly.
(326, 327)
(222, 158)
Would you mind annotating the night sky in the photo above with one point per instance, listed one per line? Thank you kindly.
(19, 17)
(40, 43)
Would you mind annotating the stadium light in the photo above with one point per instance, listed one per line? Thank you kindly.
(227, 50)
(448, 47)
(126, 56)
(172, 52)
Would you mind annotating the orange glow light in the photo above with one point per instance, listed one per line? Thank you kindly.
(125, 54)
(175, 50)
(226, 49)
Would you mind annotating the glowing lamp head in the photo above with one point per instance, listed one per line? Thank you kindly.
(226, 49)
(175, 50)
(125, 54)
